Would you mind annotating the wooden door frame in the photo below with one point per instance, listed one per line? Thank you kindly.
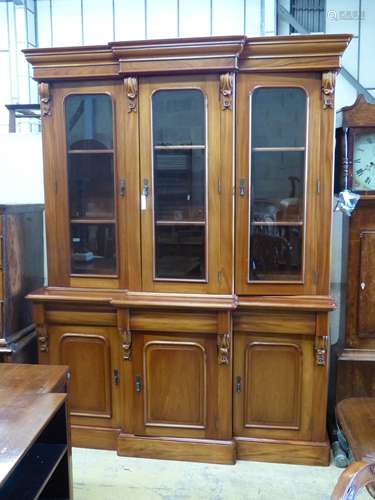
(311, 84)
(219, 127)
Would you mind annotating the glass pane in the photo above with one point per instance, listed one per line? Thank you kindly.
(162, 19)
(67, 11)
(190, 23)
(180, 252)
(277, 200)
(129, 20)
(97, 21)
(179, 179)
(276, 253)
(93, 248)
(91, 185)
(179, 168)
(227, 17)
(89, 121)
(178, 117)
(277, 186)
(278, 117)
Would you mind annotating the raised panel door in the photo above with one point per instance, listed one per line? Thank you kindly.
(273, 386)
(92, 356)
(176, 384)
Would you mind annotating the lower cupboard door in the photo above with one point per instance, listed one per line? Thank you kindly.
(176, 385)
(273, 386)
(92, 360)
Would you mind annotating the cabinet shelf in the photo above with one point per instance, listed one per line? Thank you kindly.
(277, 223)
(34, 472)
(89, 151)
(92, 221)
(180, 223)
(278, 149)
(180, 146)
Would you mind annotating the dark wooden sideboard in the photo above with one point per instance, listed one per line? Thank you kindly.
(188, 188)
(21, 270)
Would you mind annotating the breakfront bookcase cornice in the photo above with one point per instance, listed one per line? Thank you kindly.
(189, 55)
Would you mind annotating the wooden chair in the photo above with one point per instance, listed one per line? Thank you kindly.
(356, 417)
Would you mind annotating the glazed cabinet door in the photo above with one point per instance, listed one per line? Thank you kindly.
(93, 359)
(273, 384)
(186, 185)
(277, 177)
(177, 383)
(85, 179)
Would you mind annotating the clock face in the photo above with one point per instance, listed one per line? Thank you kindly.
(364, 162)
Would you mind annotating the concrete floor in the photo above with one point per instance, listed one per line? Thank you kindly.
(102, 475)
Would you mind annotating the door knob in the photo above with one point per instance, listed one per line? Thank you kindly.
(363, 285)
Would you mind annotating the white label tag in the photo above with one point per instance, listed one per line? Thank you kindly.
(143, 202)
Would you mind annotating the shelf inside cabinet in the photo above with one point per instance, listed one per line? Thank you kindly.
(277, 223)
(280, 149)
(33, 473)
(89, 151)
(180, 223)
(92, 221)
(180, 146)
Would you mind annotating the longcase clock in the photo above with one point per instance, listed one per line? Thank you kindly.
(356, 153)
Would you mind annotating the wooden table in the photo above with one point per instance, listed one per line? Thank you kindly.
(35, 452)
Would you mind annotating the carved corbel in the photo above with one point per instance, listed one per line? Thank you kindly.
(45, 99)
(226, 91)
(131, 87)
(321, 351)
(123, 322)
(328, 89)
(223, 348)
(42, 337)
(126, 343)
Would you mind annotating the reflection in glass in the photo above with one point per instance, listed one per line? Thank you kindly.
(178, 117)
(89, 121)
(276, 253)
(179, 171)
(277, 211)
(277, 186)
(180, 252)
(93, 248)
(90, 178)
(179, 180)
(278, 117)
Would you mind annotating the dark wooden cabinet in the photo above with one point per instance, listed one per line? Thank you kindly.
(21, 270)
(188, 200)
(354, 159)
